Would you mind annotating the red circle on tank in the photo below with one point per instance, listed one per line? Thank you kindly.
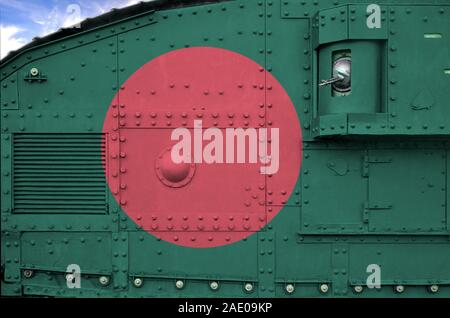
(202, 204)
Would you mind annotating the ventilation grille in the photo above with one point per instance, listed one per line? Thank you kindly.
(59, 173)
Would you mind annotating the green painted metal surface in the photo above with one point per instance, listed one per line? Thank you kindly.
(374, 183)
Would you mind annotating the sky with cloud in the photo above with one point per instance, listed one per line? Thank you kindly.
(22, 20)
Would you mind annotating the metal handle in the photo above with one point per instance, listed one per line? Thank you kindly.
(341, 79)
(331, 80)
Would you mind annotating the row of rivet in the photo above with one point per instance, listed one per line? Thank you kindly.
(181, 284)
(70, 44)
(248, 287)
(324, 288)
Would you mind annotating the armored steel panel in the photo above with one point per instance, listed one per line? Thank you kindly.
(352, 98)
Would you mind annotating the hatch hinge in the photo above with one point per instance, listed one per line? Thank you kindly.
(367, 160)
(39, 78)
(35, 75)
(374, 206)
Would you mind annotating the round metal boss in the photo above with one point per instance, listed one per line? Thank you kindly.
(342, 68)
(28, 273)
(248, 287)
(179, 284)
(290, 288)
(358, 289)
(214, 285)
(34, 71)
(138, 282)
(171, 174)
(104, 280)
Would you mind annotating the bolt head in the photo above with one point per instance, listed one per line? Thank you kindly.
(248, 287)
(290, 288)
(399, 288)
(34, 71)
(434, 288)
(214, 285)
(138, 282)
(179, 284)
(104, 280)
(324, 288)
(358, 289)
(28, 273)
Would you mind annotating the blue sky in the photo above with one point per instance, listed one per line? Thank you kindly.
(21, 20)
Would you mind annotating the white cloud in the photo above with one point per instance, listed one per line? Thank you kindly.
(131, 2)
(10, 39)
(50, 20)
(73, 16)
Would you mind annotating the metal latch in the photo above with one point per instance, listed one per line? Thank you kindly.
(373, 160)
(34, 75)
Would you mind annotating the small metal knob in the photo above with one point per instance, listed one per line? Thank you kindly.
(433, 289)
(248, 287)
(104, 280)
(34, 71)
(399, 289)
(290, 288)
(179, 284)
(138, 282)
(324, 288)
(358, 289)
(28, 273)
(341, 79)
(214, 285)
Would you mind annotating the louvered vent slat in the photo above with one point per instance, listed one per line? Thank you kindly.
(59, 174)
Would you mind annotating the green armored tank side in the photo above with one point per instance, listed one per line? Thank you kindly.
(91, 206)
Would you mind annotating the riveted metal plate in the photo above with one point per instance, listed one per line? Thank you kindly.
(6, 177)
(330, 25)
(237, 262)
(360, 18)
(412, 195)
(339, 174)
(348, 184)
(266, 263)
(417, 107)
(339, 260)
(9, 94)
(120, 260)
(244, 33)
(11, 254)
(283, 55)
(64, 249)
(158, 206)
(304, 8)
(433, 259)
(448, 190)
(71, 77)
